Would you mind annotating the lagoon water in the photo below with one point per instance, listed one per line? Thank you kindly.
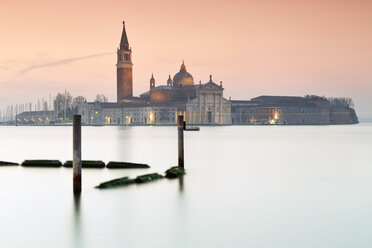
(246, 186)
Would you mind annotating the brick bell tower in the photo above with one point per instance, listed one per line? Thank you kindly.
(124, 69)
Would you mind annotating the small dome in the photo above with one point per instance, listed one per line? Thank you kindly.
(183, 78)
(169, 81)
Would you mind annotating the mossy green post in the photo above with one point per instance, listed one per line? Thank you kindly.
(126, 165)
(5, 163)
(115, 183)
(174, 172)
(41, 163)
(148, 178)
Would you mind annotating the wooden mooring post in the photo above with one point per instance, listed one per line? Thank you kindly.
(76, 154)
(180, 127)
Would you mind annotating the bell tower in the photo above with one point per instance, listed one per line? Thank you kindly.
(124, 69)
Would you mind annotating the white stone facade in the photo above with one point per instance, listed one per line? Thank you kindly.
(209, 106)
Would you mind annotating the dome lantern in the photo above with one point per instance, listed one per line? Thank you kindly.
(152, 81)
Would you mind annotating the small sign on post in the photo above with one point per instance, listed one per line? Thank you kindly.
(76, 165)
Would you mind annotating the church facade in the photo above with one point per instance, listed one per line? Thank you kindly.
(160, 105)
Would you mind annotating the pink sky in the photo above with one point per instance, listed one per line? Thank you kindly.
(255, 47)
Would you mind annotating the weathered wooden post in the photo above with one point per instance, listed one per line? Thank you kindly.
(76, 154)
(180, 127)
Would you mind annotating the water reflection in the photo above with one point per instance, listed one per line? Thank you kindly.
(253, 192)
(180, 184)
(124, 143)
(76, 229)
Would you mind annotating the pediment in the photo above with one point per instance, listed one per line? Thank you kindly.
(211, 86)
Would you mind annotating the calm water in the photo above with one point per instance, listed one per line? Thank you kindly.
(308, 186)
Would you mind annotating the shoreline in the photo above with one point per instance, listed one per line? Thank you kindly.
(174, 125)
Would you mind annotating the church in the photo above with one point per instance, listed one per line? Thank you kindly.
(200, 103)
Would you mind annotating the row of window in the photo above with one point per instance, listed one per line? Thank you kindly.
(279, 111)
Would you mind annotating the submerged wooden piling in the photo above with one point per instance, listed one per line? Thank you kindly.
(77, 154)
(180, 128)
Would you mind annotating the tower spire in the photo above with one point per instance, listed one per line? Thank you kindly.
(124, 44)
(124, 69)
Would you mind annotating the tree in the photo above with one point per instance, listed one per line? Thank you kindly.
(79, 100)
(315, 97)
(101, 98)
(63, 100)
(341, 102)
(63, 105)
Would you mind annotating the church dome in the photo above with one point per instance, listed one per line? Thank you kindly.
(183, 78)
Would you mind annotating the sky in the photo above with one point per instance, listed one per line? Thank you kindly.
(255, 47)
